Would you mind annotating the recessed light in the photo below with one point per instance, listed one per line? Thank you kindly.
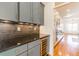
(31, 24)
(18, 28)
(68, 15)
(21, 23)
(56, 13)
(5, 21)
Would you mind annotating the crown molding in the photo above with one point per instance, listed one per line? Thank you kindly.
(62, 4)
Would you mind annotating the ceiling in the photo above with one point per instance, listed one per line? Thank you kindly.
(58, 3)
(68, 10)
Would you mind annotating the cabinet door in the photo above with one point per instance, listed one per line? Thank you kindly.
(34, 43)
(21, 49)
(8, 53)
(35, 51)
(8, 11)
(41, 14)
(36, 12)
(25, 12)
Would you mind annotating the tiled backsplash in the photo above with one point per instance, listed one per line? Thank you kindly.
(10, 31)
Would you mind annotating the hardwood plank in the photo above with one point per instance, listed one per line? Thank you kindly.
(67, 47)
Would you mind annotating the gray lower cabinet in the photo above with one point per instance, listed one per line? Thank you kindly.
(8, 11)
(34, 48)
(35, 51)
(32, 44)
(29, 49)
(26, 12)
(18, 51)
(21, 49)
(10, 52)
(23, 54)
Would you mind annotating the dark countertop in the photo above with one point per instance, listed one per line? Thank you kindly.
(43, 36)
(12, 43)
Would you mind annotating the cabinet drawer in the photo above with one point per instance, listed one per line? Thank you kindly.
(10, 52)
(23, 54)
(21, 49)
(35, 51)
(34, 43)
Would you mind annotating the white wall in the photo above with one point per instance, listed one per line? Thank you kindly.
(48, 27)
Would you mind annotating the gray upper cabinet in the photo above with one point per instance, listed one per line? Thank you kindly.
(26, 12)
(32, 12)
(36, 12)
(8, 11)
(41, 14)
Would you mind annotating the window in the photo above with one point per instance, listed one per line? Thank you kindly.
(72, 27)
(75, 27)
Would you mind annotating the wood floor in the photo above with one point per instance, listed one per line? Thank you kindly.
(68, 46)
